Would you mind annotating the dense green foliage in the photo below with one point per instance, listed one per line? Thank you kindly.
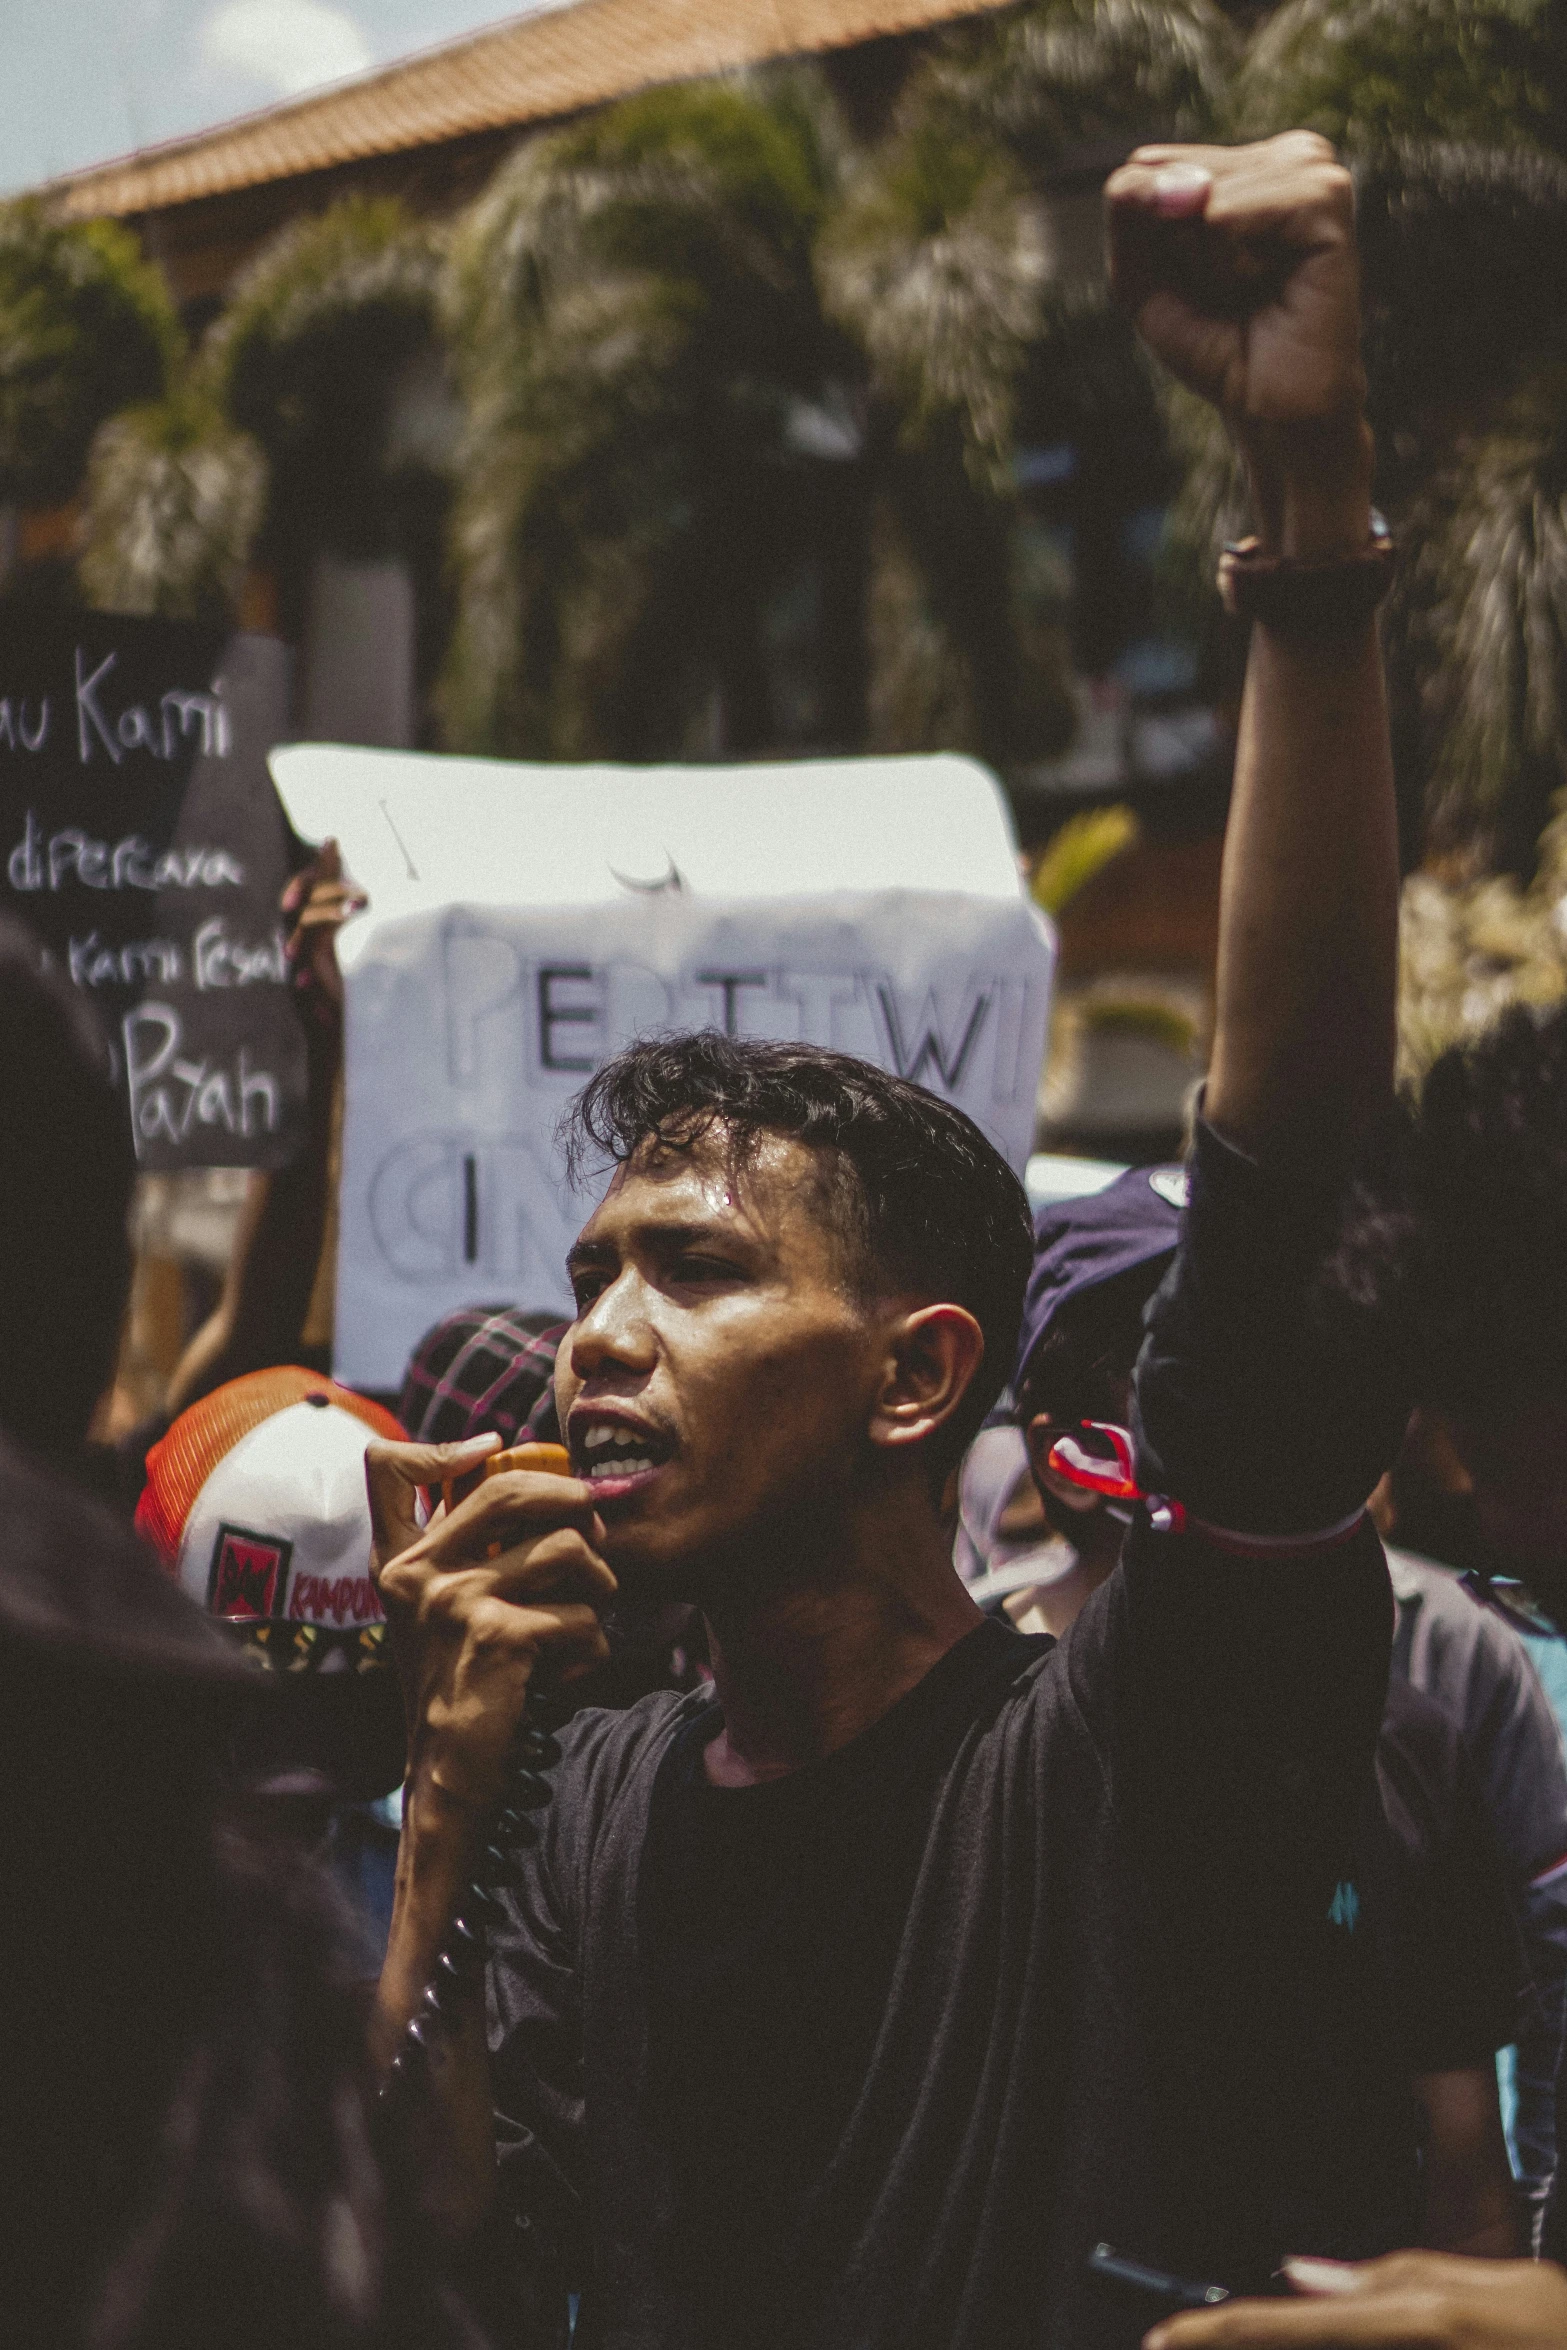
(1368, 73)
(702, 426)
(319, 341)
(175, 497)
(636, 330)
(86, 326)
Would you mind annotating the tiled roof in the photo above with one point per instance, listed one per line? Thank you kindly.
(529, 69)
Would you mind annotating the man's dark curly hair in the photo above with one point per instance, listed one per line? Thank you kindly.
(915, 1196)
(1454, 1257)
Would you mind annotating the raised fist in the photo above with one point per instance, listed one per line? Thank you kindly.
(1238, 266)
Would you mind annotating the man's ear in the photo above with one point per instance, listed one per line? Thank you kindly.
(933, 1355)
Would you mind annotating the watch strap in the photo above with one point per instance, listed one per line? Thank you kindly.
(1333, 597)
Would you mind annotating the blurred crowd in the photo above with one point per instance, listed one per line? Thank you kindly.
(915, 1773)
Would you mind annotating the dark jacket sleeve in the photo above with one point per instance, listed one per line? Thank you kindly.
(1247, 1681)
(1254, 1672)
(1251, 1407)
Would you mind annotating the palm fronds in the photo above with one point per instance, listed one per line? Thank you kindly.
(1461, 254)
(175, 497)
(1469, 946)
(636, 323)
(1482, 616)
(1367, 73)
(311, 353)
(86, 326)
(1051, 76)
(937, 261)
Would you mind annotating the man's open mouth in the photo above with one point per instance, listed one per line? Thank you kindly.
(615, 1455)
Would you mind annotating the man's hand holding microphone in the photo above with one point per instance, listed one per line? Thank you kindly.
(483, 1599)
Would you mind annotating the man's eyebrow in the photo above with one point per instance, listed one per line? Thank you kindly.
(662, 1240)
(686, 1235)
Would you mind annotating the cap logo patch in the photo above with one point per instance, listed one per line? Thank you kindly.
(246, 1572)
(1171, 1184)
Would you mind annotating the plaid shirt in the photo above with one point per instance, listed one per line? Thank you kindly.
(483, 1368)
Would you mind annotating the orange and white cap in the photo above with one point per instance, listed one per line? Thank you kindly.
(256, 1500)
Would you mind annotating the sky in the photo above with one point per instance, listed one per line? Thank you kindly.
(84, 80)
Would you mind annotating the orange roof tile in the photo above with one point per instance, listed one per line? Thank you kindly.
(529, 69)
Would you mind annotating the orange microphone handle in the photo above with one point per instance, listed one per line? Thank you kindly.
(539, 1460)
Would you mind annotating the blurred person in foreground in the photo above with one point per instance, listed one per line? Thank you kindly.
(66, 1169)
(854, 2003)
(1460, 1856)
(183, 2099)
(1454, 1268)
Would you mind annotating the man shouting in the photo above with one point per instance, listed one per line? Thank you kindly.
(855, 2001)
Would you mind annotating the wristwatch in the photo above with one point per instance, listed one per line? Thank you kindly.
(1334, 597)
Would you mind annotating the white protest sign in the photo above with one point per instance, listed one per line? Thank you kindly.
(506, 956)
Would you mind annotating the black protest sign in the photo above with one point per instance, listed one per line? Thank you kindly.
(143, 842)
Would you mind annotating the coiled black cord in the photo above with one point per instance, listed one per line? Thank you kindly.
(460, 1960)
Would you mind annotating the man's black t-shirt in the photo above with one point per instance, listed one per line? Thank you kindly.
(1122, 1993)
(771, 1918)
(1436, 1900)
(1072, 1951)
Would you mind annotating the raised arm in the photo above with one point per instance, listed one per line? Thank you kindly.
(262, 1315)
(1239, 268)
(1256, 1615)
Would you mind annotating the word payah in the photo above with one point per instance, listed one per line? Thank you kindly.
(52, 860)
(173, 1093)
(216, 960)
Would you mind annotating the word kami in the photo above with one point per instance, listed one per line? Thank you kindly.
(172, 1094)
(177, 717)
(92, 964)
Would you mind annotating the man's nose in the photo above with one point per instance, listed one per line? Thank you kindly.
(614, 1332)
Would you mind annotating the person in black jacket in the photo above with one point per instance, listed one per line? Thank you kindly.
(1452, 1271)
(854, 2002)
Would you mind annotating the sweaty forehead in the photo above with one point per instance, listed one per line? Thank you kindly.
(777, 1194)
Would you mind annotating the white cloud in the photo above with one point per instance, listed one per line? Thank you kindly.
(288, 45)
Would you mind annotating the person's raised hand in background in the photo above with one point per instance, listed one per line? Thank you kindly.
(262, 1314)
(321, 899)
(1410, 2301)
